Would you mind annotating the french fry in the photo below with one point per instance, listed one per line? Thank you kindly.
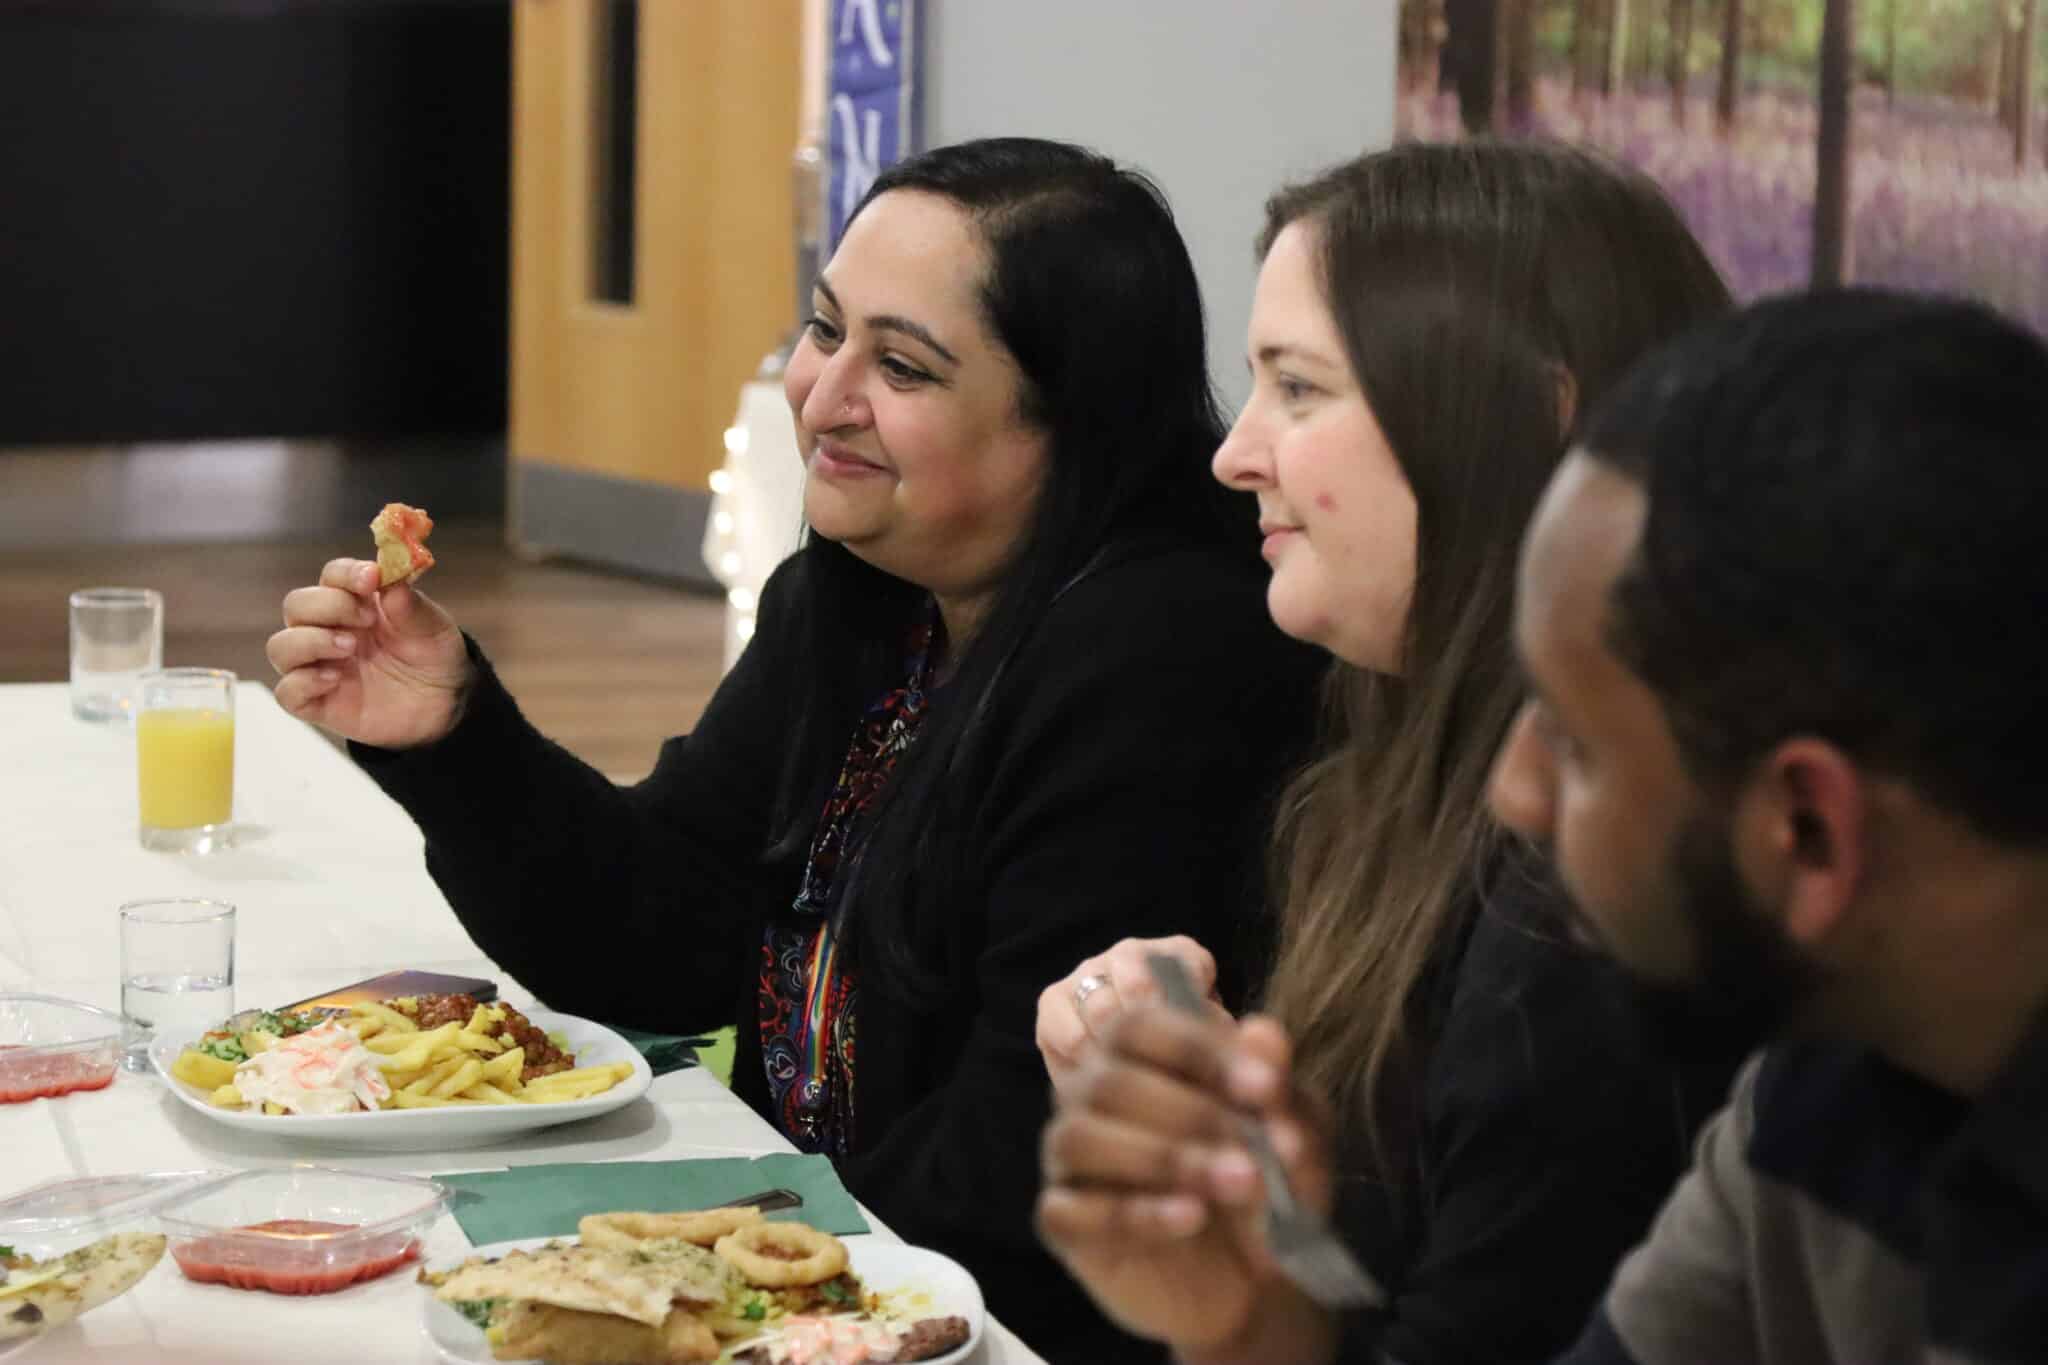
(486, 1093)
(227, 1097)
(466, 1074)
(390, 1042)
(390, 1019)
(402, 1099)
(479, 1020)
(425, 1082)
(420, 1051)
(506, 1068)
(611, 1073)
(579, 1084)
(479, 1042)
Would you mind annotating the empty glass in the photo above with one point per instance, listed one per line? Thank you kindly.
(117, 635)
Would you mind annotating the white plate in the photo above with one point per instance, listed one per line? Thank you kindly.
(947, 1290)
(454, 1126)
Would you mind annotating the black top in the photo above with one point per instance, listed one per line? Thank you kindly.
(1127, 757)
(1549, 1131)
(1845, 1210)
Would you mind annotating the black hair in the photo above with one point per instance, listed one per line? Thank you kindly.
(1847, 494)
(1090, 289)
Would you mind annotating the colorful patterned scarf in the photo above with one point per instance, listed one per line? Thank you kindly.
(808, 986)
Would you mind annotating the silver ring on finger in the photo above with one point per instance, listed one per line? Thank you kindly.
(1086, 987)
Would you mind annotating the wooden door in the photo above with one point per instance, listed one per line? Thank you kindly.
(652, 261)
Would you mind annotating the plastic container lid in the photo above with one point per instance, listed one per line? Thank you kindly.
(51, 1047)
(49, 1023)
(321, 1193)
(61, 1214)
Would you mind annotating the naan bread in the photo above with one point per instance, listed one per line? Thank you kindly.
(564, 1336)
(53, 1293)
(641, 1285)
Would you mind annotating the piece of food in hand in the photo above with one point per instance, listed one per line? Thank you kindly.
(702, 1227)
(402, 553)
(527, 1330)
(35, 1297)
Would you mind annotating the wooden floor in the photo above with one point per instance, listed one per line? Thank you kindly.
(608, 666)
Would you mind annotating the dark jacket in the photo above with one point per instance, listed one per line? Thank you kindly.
(1126, 763)
(1842, 1211)
(1548, 1130)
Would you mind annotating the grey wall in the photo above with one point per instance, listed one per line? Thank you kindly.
(1220, 101)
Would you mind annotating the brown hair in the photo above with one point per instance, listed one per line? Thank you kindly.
(1486, 292)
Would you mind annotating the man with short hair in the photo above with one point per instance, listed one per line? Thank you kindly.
(1785, 619)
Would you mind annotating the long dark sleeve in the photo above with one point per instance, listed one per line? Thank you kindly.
(1553, 1131)
(1148, 726)
(628, 903)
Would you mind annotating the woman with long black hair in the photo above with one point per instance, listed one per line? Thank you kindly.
(1015, 698)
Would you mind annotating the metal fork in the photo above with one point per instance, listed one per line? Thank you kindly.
(1301, 1242)
(768, 1201)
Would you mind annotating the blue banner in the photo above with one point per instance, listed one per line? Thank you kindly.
(870, 106)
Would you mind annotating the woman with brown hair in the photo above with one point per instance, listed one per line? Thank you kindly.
(1498, 1127)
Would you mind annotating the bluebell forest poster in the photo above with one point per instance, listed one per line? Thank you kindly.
(1808, 142)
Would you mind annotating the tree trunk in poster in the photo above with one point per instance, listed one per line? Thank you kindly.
(1891, 52)
(1616, 64)
(1678, 60)
(1832, 255)
(1730, 94)
(2008, 73)
(2023, 84)
(1470, 51)
(1582, 24)
(1519, 41)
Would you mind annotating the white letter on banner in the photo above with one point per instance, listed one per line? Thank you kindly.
(870, 29)
(863, 155)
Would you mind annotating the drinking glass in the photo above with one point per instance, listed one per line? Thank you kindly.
(177, 972)
(185, 759)
(117, 635)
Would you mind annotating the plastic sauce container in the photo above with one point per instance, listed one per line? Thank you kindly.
(51, 1047)
(300, 1230)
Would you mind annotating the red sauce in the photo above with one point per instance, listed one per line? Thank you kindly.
(46, 1077)
(282, 1263)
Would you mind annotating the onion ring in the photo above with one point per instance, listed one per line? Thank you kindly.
(627, 1230)
(783, 1255)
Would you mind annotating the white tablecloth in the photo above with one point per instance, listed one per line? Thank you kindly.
(329, 888)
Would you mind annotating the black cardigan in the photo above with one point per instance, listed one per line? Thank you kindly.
(1548, 1131)
(1129, 756)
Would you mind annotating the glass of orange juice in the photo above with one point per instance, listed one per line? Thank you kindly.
(185, 759)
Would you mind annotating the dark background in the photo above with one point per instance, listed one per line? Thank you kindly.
(252, 218)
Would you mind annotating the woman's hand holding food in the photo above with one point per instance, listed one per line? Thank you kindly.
(386, 668)
(1075, 1011)
(1155, 1206)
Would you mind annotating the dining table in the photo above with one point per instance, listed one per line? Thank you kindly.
(330, 887)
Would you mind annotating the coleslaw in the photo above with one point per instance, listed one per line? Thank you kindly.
(325, 1070)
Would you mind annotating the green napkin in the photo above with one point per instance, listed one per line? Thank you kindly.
(664, 1051)
(547, 1201)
